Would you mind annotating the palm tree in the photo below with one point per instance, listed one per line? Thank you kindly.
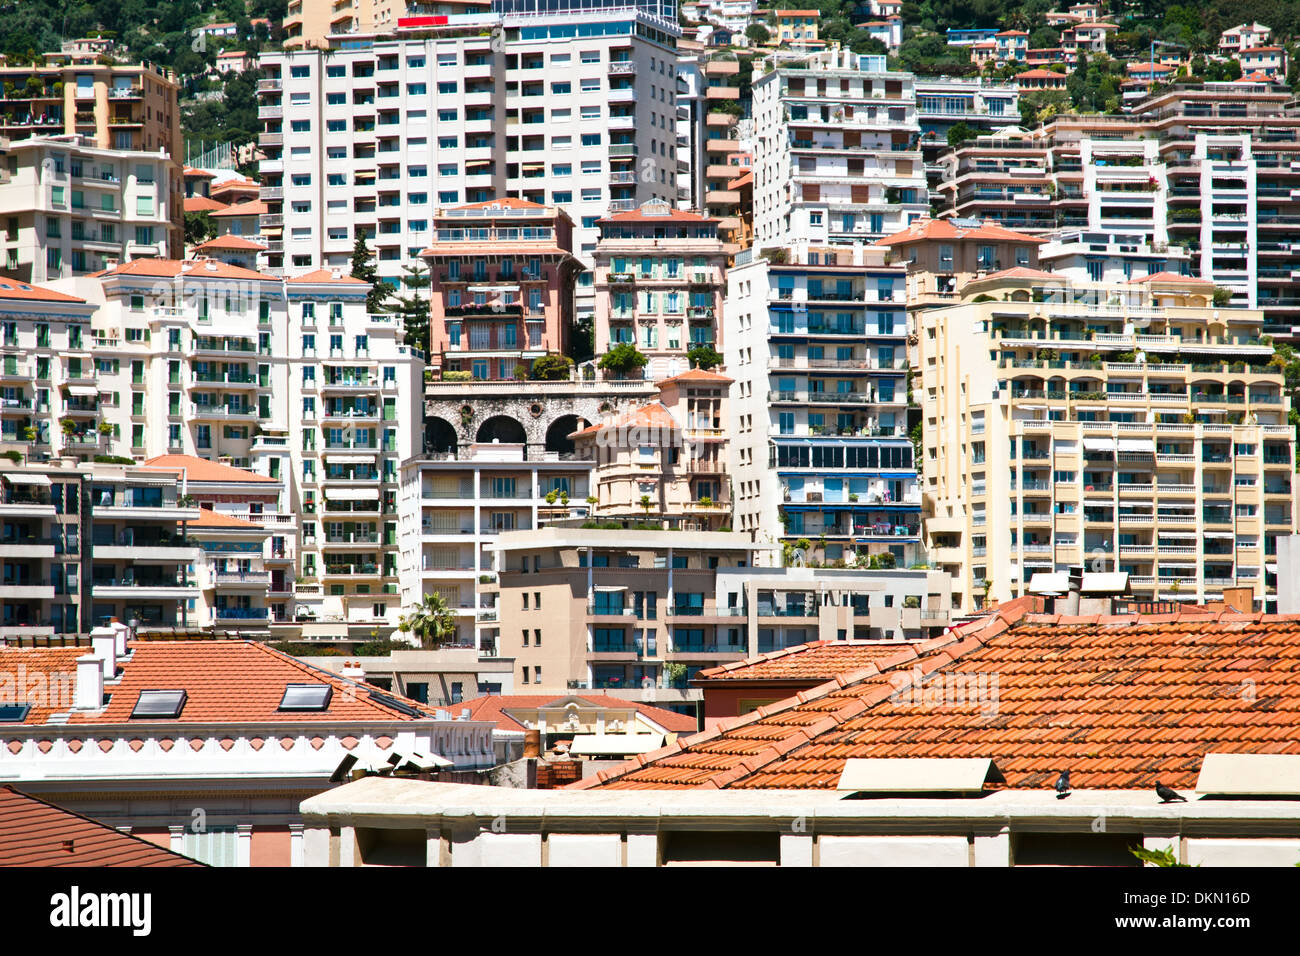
(431, 621)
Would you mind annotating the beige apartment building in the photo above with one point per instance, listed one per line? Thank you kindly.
(618, 609)
(660, 283)
(666, 460)
(311, 22)
(1128, 426)
(942, 255)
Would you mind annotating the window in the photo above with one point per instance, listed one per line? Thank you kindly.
(159, 704)
(300, 697)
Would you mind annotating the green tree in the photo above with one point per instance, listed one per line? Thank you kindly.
(199, 227)
(363, 268)
(552, 368)
(757, 33)
(703, 356)
(959, 133)
(431, 622)
(414, 306)
(622, 359)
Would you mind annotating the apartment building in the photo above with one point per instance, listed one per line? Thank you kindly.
(249, 544)
(437, 116)
(71, 208)
(580, 608)
(660, 279)
(816, 341)
(1125, 426)
(312, 22)
(665, 461)
(189, 357)
(943, 102)
(1209, 168)
(122, 106)
(942, 255)
(836, 150)
(797, 28)
(1244, 36)
(41, 593)
(452, 508)
(353, 404)
(502, 276)
(788, 607)
(48, 387)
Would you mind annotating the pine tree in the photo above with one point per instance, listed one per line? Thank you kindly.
(414, 308)
(364, 269)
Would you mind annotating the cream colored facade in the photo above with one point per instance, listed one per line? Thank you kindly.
(1131, 427)
(618, 610)
(672, 452)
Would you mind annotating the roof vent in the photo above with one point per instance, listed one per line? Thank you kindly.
(919, 776)
(1249, 775)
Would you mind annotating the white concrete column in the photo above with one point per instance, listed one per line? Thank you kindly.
(992, 849)
(432, 846)
(296, 855)
(796, 849)
(177, 839)
(347, 846)
(316, 846)
(244, 844)
(642, 849)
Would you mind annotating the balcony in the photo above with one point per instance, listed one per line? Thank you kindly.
(242, 578)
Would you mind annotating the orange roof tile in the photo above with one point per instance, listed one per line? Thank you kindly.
(698, 376)
(250, 207)
(492, 707)
(202, 204)
(231, 242)
(36, 833)
(924, 229)
(325, 275)
(652, 415)
(192, 268)
(224, 681)
(1040, 75)
(508, 202)
(669, 215)
(1022, 272)
(14, 289)
(493, 248)
(1172, 277)
(209, 519)
(190, 172)
(816, 661)
(200, 469)
(1120, 701)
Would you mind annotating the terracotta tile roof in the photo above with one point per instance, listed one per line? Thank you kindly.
(744, 180)
(250, 207)
(1172, 277)
(1041, 75)
(1120, 701)
(535, 248)
(200, 469)
(326, 275)
(191, 172)
(697, 376)
(491, 707)
(1021, 272)
(669, 215)
(508, 202)
(193, 268)
(924, 229)
(36, 833)
(816, 661)
(231, 242)
(232, 682)
(202, 204)
(13, 289)
(209, 519)
(653, 415)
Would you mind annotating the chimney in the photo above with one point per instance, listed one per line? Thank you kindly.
(123, 637)
(103, 641)
(353, 670)
(89, 692)
(1240, 599)
(532, 742)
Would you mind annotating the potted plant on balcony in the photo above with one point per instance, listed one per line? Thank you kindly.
(645, 503)
(69, 426)
(706, 501)
(105, 429)
(622, 360)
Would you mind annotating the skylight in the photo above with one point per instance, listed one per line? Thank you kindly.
(159, 703)
(13, 713)
(392, 702)
(306, 697)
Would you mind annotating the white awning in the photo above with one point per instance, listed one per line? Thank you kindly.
(348, 459)
(610, 587)
(16, 478)
(615, 744)
(1054, 582)
(1271, 568)
(352, 494)
(84, 391)
(1104, 582)
(1220, 534)
(1137, 444)
(1099, 444)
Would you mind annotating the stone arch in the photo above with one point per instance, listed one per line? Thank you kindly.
(558, 432)
(439, 435)
(502, 428)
